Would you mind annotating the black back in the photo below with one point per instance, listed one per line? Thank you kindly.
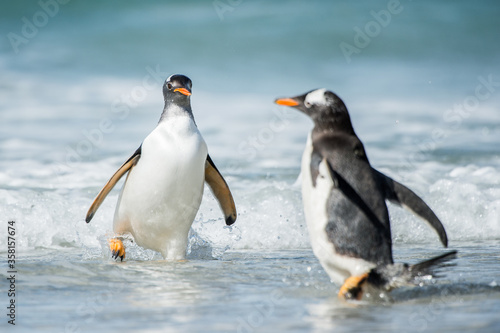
(358, 220)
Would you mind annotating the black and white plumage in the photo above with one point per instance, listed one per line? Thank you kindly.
(164, 186)
(345, 201)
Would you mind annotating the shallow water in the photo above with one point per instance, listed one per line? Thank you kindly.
(247, 291)
(80, 95)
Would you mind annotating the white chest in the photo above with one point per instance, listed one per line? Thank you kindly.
(315, 202)
(163, 191)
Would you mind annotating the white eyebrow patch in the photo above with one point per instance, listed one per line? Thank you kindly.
(316, 97)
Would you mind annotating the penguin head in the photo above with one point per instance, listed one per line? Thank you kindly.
(177, 89)
(325, 108)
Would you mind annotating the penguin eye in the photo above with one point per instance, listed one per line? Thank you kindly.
(307, 104)
(169, 86)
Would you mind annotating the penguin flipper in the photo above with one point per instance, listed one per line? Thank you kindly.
(112, 182)
(401, 195)
(221, 191)
(316, 160)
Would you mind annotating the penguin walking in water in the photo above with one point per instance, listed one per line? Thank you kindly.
(165, 181)
(345, 204)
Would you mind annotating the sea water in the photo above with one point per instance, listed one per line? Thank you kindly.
(81, 88)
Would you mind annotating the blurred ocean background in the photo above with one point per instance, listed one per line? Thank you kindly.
(80, 89)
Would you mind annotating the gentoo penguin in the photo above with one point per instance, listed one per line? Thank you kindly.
(165, 181)
(344, 203)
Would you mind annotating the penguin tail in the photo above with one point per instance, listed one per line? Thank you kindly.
(392, 276)
(431, 267)
(388, 277)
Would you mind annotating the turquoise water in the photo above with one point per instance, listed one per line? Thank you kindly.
(81, 87)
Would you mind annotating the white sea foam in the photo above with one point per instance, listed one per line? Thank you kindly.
(466, 199)
(257, 148)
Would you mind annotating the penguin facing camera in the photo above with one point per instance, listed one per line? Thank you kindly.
(165, 181)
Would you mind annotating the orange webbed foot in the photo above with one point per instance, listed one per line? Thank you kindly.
(117, 248)
(353, 287)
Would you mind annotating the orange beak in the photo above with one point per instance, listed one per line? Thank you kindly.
(286, 101)
(183, 91)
